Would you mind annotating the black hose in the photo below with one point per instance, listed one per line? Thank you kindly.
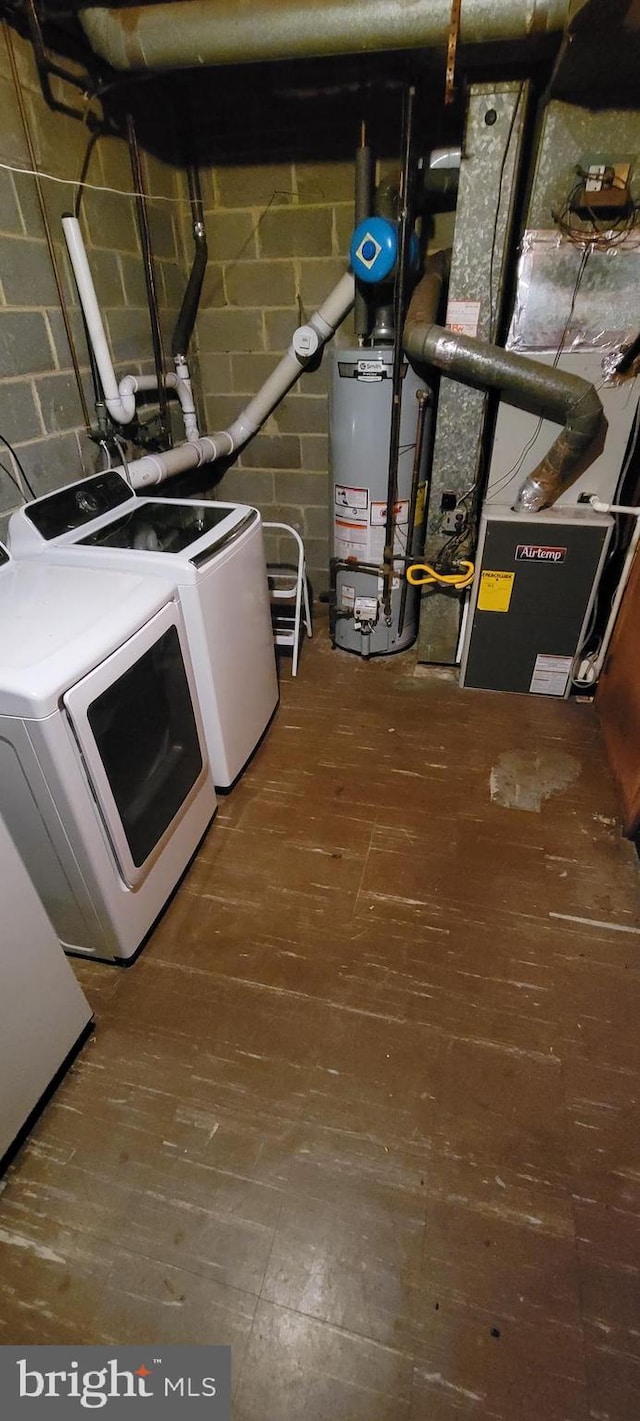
(183, 329)
(150, 279)
(363, 207)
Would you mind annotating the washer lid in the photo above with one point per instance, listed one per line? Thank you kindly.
(165, 526)
(57, 623)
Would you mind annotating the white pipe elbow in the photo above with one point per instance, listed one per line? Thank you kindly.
(122, 408)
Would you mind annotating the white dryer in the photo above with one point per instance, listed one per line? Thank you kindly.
(214, 553)
(105, 785)
(45, 1015)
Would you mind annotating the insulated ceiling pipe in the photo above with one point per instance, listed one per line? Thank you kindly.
(175, 35)
(528, 384)
(307, 341)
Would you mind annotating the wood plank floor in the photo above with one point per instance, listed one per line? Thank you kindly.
(367, 1105)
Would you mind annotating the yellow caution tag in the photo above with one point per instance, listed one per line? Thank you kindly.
(495, 590)
(420, 505)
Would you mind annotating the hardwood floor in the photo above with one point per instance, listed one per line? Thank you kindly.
(367, 1105)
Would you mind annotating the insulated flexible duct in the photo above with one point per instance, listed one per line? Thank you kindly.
(179, 35)
(528, 384)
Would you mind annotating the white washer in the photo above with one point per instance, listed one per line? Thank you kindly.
(214, 552)
(44, 1012)
(105, 785)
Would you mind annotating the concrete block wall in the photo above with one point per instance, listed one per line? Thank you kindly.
(40, 410)
(278, 239)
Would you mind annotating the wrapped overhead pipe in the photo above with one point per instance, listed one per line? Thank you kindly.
(173, 35)
(528, 384)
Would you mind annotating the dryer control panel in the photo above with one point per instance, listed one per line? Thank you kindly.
(78, 504)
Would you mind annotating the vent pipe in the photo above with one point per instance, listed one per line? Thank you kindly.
(175, 35)
(528, 384)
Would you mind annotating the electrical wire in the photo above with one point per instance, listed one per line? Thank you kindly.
(601, 234)
(105, 446)
(18, 464)
(503, 165)
(123, 455)
(92, 187)
(13, 478)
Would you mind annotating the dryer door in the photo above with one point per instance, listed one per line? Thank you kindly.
(134, 722)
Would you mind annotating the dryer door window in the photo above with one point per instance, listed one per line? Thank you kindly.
(146, 736)
(134, 721)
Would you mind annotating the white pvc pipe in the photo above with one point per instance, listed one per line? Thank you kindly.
(119, 398)
(307, 340)
(600, 507)
(184, 392)
(597, 662)
(120, 402)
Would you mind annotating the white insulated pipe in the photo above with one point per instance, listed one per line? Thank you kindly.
(307, 340)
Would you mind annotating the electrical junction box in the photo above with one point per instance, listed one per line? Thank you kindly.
(605, 191)
(532, 597)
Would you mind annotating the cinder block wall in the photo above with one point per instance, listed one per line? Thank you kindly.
(40, 410)
(278, 240)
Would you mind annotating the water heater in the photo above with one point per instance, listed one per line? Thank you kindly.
(360, 420)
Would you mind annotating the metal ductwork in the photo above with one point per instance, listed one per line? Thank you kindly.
(528, 384)
(186, 34)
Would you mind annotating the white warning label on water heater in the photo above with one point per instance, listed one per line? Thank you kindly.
(550, 675)
(351, 539)
(379, 513)
(355, 499)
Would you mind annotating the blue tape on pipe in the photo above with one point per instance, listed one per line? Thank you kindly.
(373, 252)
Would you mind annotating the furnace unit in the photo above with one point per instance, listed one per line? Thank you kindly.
(532, 598)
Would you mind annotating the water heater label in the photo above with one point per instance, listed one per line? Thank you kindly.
(494, 593)
(373, 370)
(537, 552)
(379, 512)
(351, 498)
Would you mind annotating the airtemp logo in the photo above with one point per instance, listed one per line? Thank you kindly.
(536, 552)
(113, 1381)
